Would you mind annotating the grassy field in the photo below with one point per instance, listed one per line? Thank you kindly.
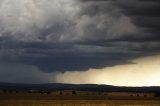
(38, 99)
(80, 103)
(67, 97)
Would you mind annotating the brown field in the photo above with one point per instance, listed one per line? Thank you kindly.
(80, 99)
(38, 96)
(79, 103)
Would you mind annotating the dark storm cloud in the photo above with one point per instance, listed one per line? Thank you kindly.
(52, 57)
(75, 35)
(145, 15)
(140, 7)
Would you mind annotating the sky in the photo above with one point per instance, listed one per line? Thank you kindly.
(113, 42)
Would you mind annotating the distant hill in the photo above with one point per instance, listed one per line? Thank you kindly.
(83, 87)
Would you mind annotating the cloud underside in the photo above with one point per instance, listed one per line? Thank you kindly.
(142, 72)
(76, 35)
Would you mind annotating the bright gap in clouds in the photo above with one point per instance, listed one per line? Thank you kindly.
(143, 72)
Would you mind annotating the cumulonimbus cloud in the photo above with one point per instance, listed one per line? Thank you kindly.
(60, 35)
(61, 21)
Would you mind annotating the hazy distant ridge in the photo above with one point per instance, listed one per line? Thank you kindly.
(85, 87)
